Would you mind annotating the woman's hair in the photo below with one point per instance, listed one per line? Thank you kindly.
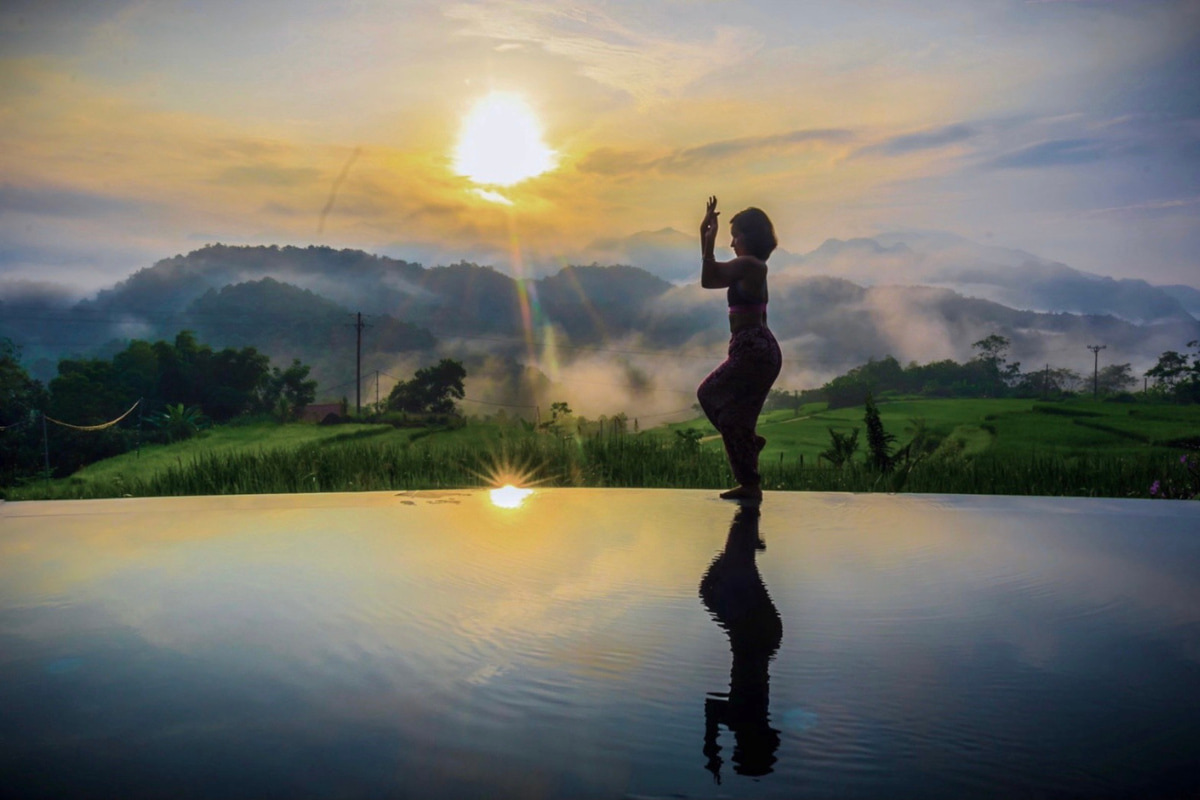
(756, 231)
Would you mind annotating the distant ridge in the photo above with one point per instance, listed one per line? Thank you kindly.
(297, 302)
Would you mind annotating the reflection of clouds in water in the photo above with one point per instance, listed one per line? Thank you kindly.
(1028, 569)
(798, 720)
(485, 674)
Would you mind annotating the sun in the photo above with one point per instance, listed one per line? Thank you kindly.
(501, 142)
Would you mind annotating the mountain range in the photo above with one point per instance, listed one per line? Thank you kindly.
(639, 331)
(933, 258)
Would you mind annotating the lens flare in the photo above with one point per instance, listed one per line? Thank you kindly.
(511, 481)
(509, 496)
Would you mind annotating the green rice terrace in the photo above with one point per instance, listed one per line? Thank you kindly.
(971, 446)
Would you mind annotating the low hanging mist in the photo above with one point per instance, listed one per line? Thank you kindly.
(635, 336)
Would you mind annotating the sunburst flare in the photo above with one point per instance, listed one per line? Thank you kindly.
(511, 481)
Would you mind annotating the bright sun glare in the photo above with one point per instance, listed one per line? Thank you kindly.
(509, 496)
(510, 478)
(501, 142)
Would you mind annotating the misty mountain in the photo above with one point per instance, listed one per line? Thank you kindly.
(827, 325)
(1188, 297)
(281, 319)
(605, 338)
(614, 300)
(666, 254)
(348, 277)
(927, 258)
(1012, 277)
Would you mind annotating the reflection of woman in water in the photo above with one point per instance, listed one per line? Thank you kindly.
(733, 592)
(733, 394)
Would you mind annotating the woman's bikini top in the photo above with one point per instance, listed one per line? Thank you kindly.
(742, 303)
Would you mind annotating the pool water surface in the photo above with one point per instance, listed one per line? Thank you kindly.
(599, 643)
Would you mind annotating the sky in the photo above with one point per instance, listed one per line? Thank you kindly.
(133, 131)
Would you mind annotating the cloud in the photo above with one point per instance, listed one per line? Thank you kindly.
(53, 202)
(920, 140)
(267, 175)
(36, 293)
(493, 197)
(81, 150)
(610, 161)
(1053, 153)
(638, 59)
(1150, 207)
(693, 157)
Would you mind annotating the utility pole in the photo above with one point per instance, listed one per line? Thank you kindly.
(358, 327)
(46, 447)
(376, 391)
(1096, 348)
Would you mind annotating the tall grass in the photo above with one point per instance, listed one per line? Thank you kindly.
(358, 464)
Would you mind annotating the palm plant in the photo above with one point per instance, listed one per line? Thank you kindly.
(178, 423)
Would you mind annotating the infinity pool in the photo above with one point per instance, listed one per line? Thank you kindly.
(599, 643)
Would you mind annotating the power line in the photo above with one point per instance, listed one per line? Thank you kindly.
(667, 413)
(489, 403)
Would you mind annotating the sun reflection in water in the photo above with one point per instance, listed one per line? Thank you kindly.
(510, 481)
(509, 496)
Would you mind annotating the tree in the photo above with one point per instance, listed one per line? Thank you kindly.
(1189, 390)
(1171, 368)
(1115, 378)
(879, 441)
(224, 384)
(992, 360)
(20, 435)
(286, 392)
(87, 392)
(178, 423)
(560, 413)
(687, 440)
(853, 387)
(432, 389)
(1048, 382)
(232, 379)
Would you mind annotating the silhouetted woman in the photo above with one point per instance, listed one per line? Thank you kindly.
(734, 593)
(733, 394)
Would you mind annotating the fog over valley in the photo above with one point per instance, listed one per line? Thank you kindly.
(634, 335)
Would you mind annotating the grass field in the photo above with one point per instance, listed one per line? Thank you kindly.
(222, 440)
(999, 427)
(1078, 447)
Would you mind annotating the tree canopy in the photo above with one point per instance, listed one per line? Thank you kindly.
(431, 390)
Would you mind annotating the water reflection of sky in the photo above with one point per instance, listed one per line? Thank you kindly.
(436, 643)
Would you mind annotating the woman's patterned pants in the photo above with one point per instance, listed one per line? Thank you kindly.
(733, 395)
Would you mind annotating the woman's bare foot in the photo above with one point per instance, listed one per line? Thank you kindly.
(747, 492)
